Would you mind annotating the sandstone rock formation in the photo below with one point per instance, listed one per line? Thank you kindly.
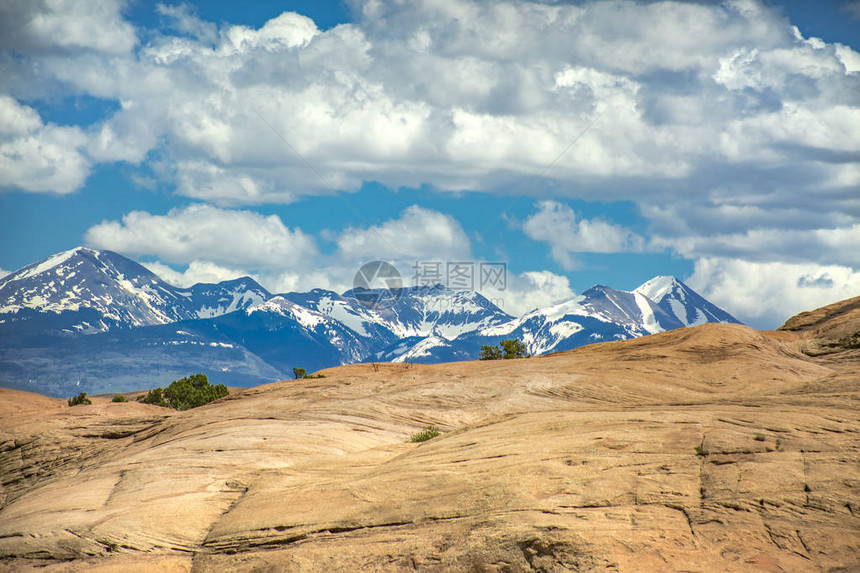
(715, 448)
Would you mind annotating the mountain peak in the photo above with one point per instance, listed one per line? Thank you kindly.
(598, 288)
(679, 300)
(47, 264)
(660, 286)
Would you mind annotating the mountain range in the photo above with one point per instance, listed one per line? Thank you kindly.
(96, 321)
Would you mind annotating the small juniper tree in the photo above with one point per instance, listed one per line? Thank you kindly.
(299, 373)
(192, 392)
(512, 348)
(490, 353)
(155, 397)
(80, 400)
(185, 393)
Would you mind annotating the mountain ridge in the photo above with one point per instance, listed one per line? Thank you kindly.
(98, 312)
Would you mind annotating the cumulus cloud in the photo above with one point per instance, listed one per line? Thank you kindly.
(209, 244)
(733, 132)
(196, 272)
(332, 277)
(51, 26)
(459, 94)
(203, 232)
(530, 290)
(839, 245)
(417, 234)
(705, 107)
(765, 295)
(183, 18)
(36, 156)
(557, 225)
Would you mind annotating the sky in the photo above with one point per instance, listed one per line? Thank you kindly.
(579, 143)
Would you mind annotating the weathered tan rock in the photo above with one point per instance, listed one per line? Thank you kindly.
(714, 448)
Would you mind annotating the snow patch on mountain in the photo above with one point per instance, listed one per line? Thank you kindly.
(50, 263)
(649, 318)
(283, 307)
(422, 349)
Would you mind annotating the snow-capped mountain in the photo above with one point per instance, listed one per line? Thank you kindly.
(287, 335)
(95, 320)
(83, 290)
(599, 314)
(88, 291)
(210, 300)
(347, 310)
(682, 302)
(437, 311)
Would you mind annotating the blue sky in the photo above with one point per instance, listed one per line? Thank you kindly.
(581, 142)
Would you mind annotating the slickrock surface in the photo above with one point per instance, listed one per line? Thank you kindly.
(716, 448)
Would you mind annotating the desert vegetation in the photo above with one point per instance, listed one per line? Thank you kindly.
(427, 433)
(185, 393)
(506, 349)
(80, 400)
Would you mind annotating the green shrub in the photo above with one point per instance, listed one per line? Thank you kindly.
(513, 349)
(427, 433)
(507, 349)
(119, 399)
(299, 373)
(701, 451)
(154, 397)
(192, 392)
(80, 400)
(490, 353)
(185, 393)
(759, 437)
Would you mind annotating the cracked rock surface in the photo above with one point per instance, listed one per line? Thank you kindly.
(715, 448)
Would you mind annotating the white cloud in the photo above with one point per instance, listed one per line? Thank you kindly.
(418, 234)
(202, 232)
(39, 157)
(209, 181)
(54, 25)
(557, 225)
(209, 244)
(839, 245)
(733, 133)
(336, 278)
(4, 273)
(196, 272)
(461, 95)
(765, 295)
(183, 18)
(288, 30)
(530, 290)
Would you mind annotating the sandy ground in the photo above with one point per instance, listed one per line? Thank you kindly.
(716, 448)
